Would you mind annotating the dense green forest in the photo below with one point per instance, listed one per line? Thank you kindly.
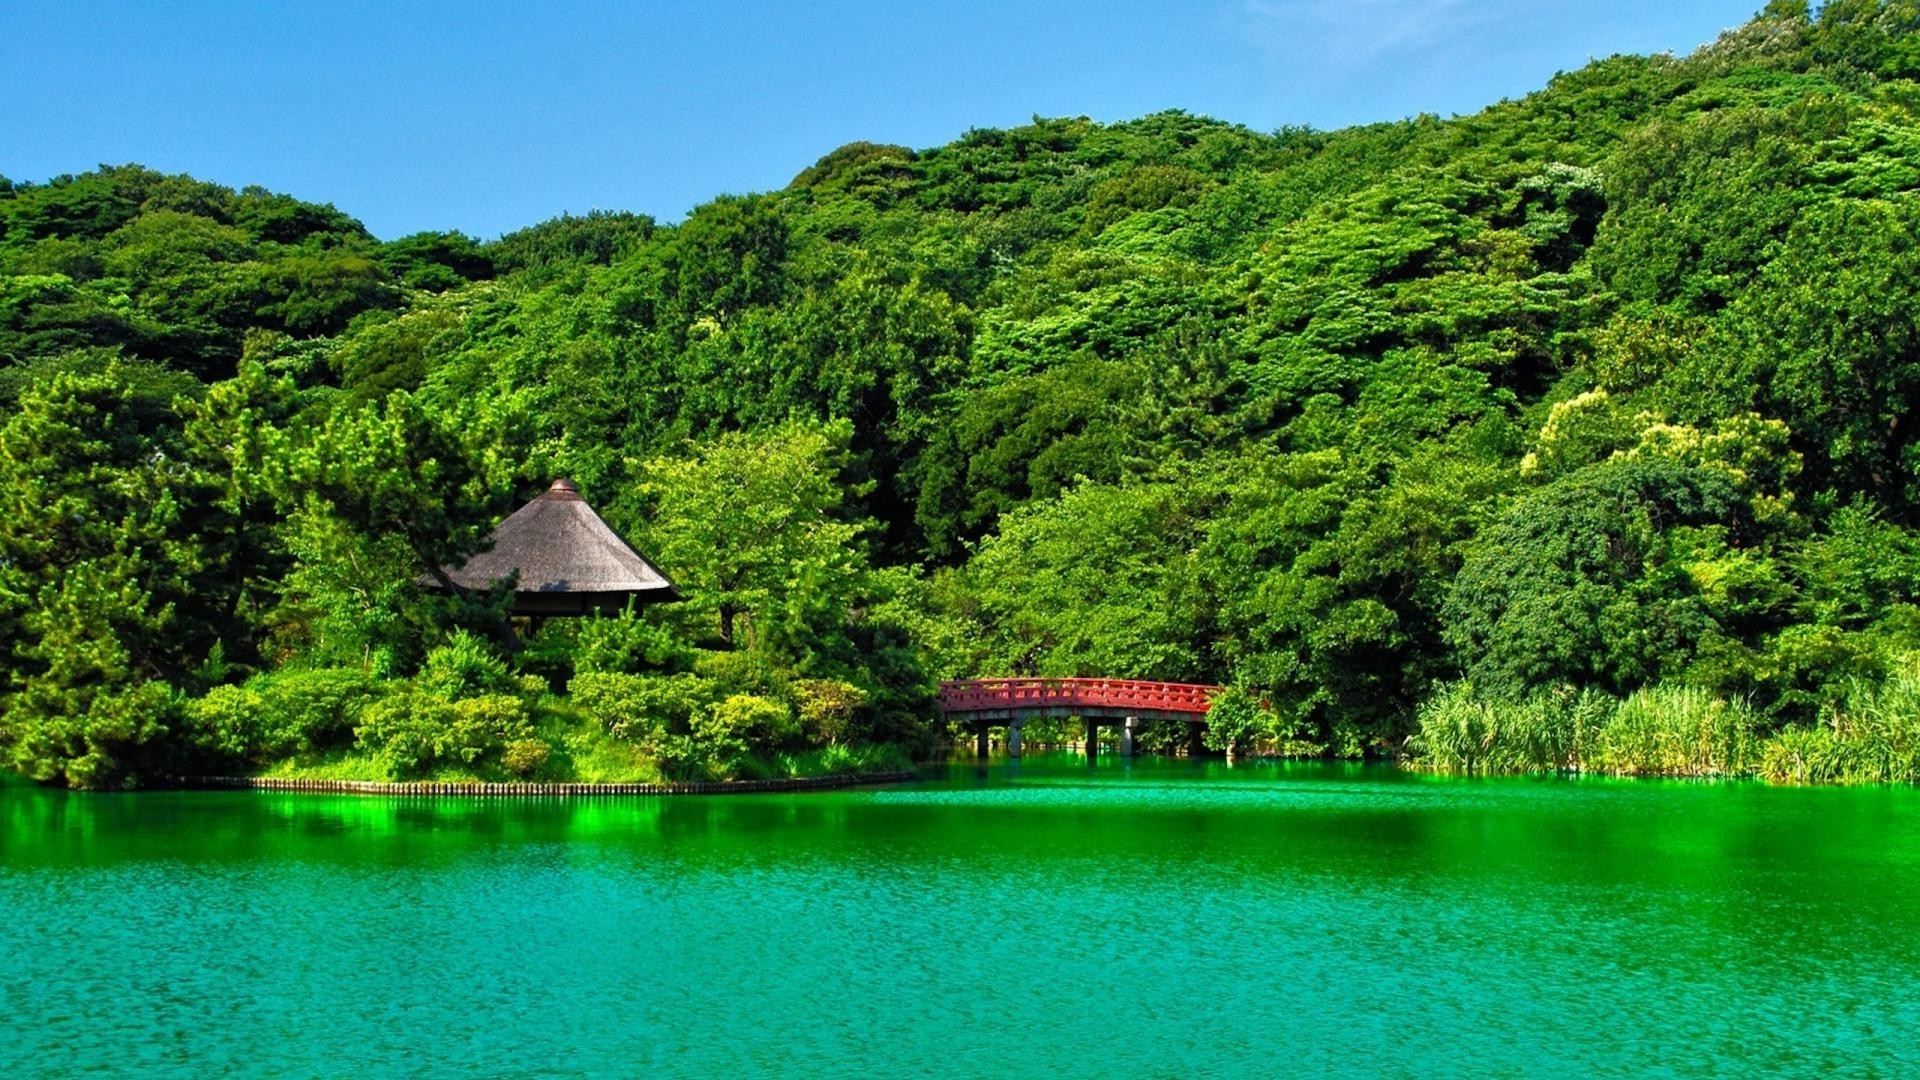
(1575, 433)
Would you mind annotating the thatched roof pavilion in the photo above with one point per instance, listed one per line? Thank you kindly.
(570, 561)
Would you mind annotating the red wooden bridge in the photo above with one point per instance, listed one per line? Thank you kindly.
(985, 703)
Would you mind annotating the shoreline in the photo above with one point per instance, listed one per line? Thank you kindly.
(482, 789)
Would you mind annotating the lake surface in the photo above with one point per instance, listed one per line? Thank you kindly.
(1166, 918)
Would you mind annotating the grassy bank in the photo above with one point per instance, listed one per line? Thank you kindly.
(467, 717)
(585, 759)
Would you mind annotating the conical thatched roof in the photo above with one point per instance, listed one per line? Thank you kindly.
(570, 561)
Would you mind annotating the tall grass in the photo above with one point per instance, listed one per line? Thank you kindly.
(1871, 736)
(840, 760)
(1678, 731)
(1668, 731)
(1462, 730)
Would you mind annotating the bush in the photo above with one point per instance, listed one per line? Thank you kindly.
(627, 644)
(741, 723)
(682, 720)
(524, 757)
(678, 757)
(226, 724)
(638, 707)
(93, 738)
(742, 671)
(414, 733)
(281, 714)
(1237, 721)
(826, 707)
(466, 667)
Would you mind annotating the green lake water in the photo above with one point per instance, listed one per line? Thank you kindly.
(1166, 918)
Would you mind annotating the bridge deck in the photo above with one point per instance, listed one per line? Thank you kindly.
(1010, 699)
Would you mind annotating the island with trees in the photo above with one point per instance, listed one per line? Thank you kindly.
(1575, 434)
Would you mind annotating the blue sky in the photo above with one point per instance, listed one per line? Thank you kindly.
(487, 117)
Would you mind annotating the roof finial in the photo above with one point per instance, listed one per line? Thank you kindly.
(564, 488)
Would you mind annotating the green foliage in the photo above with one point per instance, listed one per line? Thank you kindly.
(637, 707)
(1871, 734)
(1667, 730)
(1238, 721)
(693, 726)
(1576, 582)
(465, 667)
(1678, 731)
(110, 577)
(436, 261)
(1598, 398)
(751, 527)
(597, 238)
(414, 732)
(826, 707)
(293, 712)
(1096, 583)
(627, 643)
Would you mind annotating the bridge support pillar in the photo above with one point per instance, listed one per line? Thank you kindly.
(980, 740)
(1093, 738)
(1126, 736)
(1196, 736)
(1013, 739)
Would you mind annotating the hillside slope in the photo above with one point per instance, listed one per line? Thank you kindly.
(1600, 395)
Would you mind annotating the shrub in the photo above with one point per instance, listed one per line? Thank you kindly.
(465, 667)
(524, 757)
(308, 711)
(826, 707)
(93, 738)
(281, 714)
(1237, 721)
(637, 707)
(226, 723)
(744, 722)
(627, 644)
(742, 671)
(678, 757)
(414, 733)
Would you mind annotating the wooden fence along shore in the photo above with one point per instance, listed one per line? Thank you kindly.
(428, 788)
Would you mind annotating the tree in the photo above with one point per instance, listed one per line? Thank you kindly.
(749, 525)
(372, 482)
(1577, 582)
(107, 594)
(1097, 582)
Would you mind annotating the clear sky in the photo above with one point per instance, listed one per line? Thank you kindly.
(486, 117)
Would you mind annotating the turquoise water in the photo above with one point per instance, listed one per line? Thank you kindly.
(1163, 919)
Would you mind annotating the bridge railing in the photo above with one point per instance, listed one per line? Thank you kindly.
(980, 695)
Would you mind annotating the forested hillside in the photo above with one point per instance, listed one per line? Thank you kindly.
(1574, 433)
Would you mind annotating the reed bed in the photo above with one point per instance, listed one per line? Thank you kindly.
(1658, 731)
(1871, 736)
